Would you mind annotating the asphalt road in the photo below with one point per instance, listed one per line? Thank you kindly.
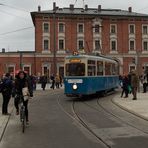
(54, 123)
(49, 127)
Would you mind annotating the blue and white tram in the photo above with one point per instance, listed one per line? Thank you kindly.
(85, 74)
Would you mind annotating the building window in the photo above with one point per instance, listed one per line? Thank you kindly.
(113, 29)
(145, 29)
(131, 45)
(46, 44)
(80, 44)
(11, 69)
(46, 27)
(61, 28)
(45, 70)
(27, 68)
(145, 45)
(97, 45)
(97, 28)
(113, 45)
(80, 28)
(61, 44)
(131, 29)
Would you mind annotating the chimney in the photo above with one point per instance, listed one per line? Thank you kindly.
(39, 8)
(130, 9)
(54, 5)
(99, 7)
(86, 7)
(71, 7)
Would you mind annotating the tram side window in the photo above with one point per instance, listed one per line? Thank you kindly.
(114, 69)
(75, 69)
(91, 68)
(108, 68)
(99, 68)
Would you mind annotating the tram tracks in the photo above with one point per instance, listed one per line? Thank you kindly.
(75, 116)
(99, 106)
(103, 109)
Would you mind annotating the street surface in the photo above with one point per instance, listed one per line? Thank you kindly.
(60, 122)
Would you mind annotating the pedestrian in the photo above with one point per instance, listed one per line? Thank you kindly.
(134, 84)
(125, 83)
(22, 82)
(6, 89)
(129, 83)
(144, 82)
(43, 81)
(61, 80)
(52, 78)
(57, 80)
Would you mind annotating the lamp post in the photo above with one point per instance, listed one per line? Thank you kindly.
(21, 58)
(138, 67)
(54, 41)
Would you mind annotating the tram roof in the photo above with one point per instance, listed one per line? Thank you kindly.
(92, 57)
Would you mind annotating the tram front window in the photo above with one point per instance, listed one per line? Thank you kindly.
(75, 69)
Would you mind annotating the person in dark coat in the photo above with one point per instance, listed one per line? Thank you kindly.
(6, 89)
(43, 81)
(52, 78)
(21, 82)
(144, 82)
(125, 83)
(134, 84)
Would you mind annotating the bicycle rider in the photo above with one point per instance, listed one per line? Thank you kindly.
(21, 81)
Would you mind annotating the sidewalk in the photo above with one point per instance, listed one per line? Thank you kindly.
(137, 107)
(38, 87)
(4, 119)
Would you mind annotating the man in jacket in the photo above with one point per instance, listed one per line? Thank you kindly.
(134, 84)
(6, 89)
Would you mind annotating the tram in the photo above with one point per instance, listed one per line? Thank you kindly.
(89, 74)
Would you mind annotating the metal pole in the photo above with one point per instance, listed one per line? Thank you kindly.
(54, 44)
(21, 57)
(138, 68)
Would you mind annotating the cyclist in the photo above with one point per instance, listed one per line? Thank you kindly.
(21, 82)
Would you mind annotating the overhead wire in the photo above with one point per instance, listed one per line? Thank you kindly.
(14, 31)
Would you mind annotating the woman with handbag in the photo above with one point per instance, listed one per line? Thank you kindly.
(22, 86)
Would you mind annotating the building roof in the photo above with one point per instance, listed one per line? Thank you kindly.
(91, 12)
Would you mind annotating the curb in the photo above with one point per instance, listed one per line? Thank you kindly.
(5, 119)
(128, 110)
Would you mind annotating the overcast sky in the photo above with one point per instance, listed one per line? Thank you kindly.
(16, 27)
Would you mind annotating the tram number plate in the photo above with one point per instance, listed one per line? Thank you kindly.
(75, 81)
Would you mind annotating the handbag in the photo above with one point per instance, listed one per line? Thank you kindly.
(25, 93)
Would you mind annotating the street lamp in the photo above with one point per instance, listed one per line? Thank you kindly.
(54, 39)
(21, 58)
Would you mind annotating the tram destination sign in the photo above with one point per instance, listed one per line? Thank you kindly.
(75, 61)
(75, 81)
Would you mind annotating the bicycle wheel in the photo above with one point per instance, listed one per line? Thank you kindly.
(22, 117)
(23, 126)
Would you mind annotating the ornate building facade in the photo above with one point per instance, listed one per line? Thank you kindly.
(121, 34)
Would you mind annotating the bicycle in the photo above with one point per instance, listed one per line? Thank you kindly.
(22, 114)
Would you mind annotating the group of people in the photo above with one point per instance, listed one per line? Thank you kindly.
(13, 87)
(56, 81)
(129, 84)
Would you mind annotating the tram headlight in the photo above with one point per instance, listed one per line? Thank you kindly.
(74, 86)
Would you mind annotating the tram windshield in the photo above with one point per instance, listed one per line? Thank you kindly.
(75, 69)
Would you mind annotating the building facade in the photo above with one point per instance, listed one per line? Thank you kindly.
(121, 34)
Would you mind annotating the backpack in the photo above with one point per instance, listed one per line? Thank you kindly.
(4, 85)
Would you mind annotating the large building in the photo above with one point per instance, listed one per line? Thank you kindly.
(121, 34)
